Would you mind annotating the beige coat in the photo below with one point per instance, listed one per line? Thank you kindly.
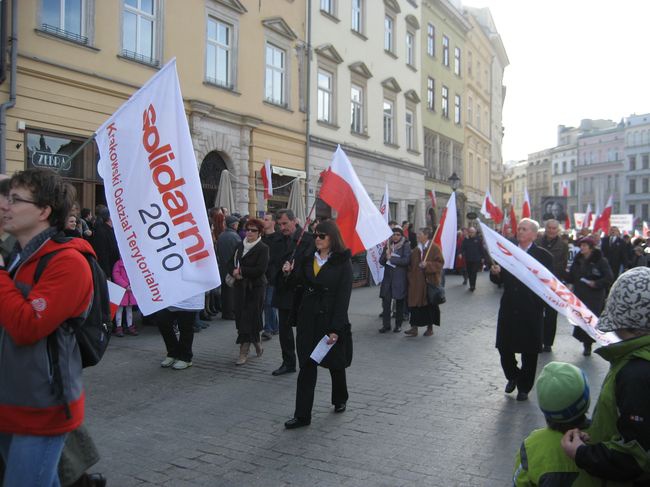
(418, 277)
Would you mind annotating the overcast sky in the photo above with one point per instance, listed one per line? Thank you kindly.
(569, 60)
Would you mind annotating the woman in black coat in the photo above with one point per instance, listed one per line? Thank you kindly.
(248, 268)
(326, 279)
(591, 277)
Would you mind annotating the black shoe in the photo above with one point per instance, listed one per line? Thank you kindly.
(96, 480)
(472, 289)
(339, 408)
(294, 423)
(284, 370)
(204, 316)
(547, 348)
(465, 282)
(197, 328)
(384, 329)
(266, 335)
(510, 386)
(381, 315)
(586, 351)
(522, 396)
(397, 329)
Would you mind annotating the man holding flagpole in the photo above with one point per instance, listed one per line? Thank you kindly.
(521, 316)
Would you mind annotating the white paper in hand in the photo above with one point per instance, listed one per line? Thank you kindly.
(321, 350)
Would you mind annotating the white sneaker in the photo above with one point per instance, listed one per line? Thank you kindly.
(168, 362)
(180, 365)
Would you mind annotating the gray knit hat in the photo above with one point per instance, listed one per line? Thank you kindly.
(628, 304)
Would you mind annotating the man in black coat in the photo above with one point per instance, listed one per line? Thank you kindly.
(615, 250)
(226, 245)
(275, 242)
(521, 316)
(473, 253)
(104, 243)
(286, 298)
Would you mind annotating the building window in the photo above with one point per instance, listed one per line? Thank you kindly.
(644, 161)
(445, 102)
(469, 64)
(645, 185)
(632, 186)
(478, 116)
(139, 36)
(632, 160)
(357, 16)
(410, 130)
(632, 209)
(431, 40)
(356, 107)
(410, 48)
(470, 106)
(65, 18)
(389, 126)
(218, 69)
(274, 91)
(431, 87)
(325, 96)
(457, 61)
(644, 211)
(388, 33)
(327, 6)
(457, 109)
(445, 51)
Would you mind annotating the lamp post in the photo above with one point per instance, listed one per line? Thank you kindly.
(454, 181)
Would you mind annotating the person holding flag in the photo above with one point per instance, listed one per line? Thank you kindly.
(521, 316)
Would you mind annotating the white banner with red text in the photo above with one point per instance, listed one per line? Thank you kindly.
(373, 254)
(542, 282)
(154, 196)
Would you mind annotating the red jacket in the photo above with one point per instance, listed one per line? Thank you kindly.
(28, 314)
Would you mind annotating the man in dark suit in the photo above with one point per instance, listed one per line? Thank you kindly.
(614, 249)
(521, 316)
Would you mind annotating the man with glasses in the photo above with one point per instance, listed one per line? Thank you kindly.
(34, 416)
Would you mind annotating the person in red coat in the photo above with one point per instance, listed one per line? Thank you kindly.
(128, 301)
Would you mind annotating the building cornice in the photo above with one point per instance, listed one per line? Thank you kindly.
(448, 9)
(199, 107)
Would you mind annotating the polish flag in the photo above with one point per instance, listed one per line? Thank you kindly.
(360, 222)
(586, 221)
(513, 219)
(525, 211)
(603, 220)
(646, 230)
(490, 210)
(266, 179)
(565, 193)
(434, 203)
(115, 294)
(446, 234)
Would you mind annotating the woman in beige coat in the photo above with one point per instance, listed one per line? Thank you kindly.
(425, 267)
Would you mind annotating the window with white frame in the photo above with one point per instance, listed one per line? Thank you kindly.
(66, 18)
(389, 122)
(431, 89)
(445, 51)
(356, 109)
(139, 30)
(409, 125)
(357, 16)
(325, 96)
(275, 83)
(470, 106)
(478, 116)
(445, 102)
(389, 32)
(219, 53)
(457, 61)
(327, 6)
(431, 40)
(410, 48)
(457, 109)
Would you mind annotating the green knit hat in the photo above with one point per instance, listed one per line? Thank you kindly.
(562, 392)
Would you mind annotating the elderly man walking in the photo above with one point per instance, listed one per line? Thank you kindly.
(521, 316)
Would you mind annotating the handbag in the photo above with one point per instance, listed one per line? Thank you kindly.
(435, 294)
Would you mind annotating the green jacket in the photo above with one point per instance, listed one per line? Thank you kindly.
(541, 461)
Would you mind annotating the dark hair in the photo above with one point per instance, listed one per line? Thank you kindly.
(85, 213)
(427, 231)
(48, 189)
(286, 211)
(5, 186)
(271, 214)
(329, 228)
(393, 222)
(254, 222)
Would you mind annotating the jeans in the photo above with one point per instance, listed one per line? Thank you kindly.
(270, 313)
(31, 461)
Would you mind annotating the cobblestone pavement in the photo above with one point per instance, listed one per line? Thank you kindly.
(422, 411)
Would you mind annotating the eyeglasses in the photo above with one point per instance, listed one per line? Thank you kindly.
(322, 236)
(253, 230)
(12, 199)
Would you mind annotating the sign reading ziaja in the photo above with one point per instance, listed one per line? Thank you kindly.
(58, 162)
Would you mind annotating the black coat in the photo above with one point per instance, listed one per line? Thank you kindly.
(105, 246)
(275, 242)
(285, 294)
(595, 268)
(472, 249)
(615, 253)
(226, 245)
(324, 309)
(249, 292)
(521, 314)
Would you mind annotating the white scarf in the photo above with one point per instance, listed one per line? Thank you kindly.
(320, 260)
(250, 245)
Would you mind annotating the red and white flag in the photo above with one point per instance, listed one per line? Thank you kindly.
(434, 203)
(446, 234)
(586, 221)
(525, 211)
(374, 253)
(115, 294)
(360, 222)
(646, 230)
(602, 223)
(542, 282)
(565, 193)
(513, 219)
(490, 209)
(267, 179)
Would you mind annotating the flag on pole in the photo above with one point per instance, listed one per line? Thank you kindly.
(267, 180)
(446, 234)
(491, 210)
(602, 223)
(361, 224)
(525, 211)
(374, 253)
(542, 282)
(513, 219)
(586, 221)
(433, 199)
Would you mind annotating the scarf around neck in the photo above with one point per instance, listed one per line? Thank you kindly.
(249, 245)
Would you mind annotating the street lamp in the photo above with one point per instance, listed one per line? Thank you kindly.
(454, 180)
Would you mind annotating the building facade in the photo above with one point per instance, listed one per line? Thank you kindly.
(636, 191)
(538, 180)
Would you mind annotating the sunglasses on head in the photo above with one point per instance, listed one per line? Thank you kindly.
(320, 235)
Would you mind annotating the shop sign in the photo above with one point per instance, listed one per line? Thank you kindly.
(58, 162)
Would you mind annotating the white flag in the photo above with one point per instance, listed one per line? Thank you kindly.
(374, 253)
(542, 282)
(154, 196)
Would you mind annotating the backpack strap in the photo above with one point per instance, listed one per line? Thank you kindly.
(42, 263)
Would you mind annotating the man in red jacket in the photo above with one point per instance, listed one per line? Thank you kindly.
(36, 409)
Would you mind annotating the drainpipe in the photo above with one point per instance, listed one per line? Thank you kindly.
(308, 110)
(12, 87)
